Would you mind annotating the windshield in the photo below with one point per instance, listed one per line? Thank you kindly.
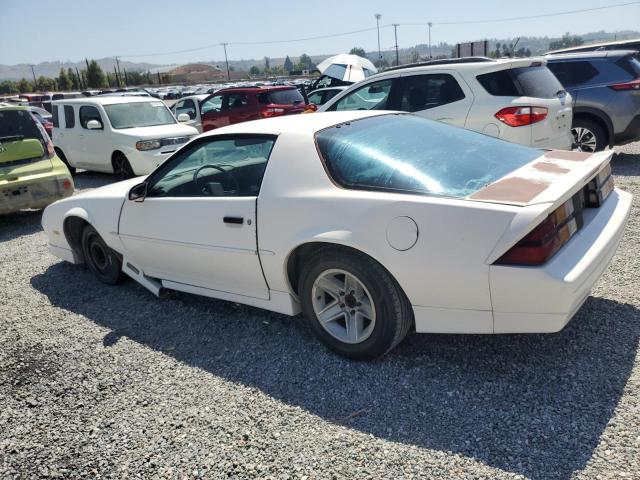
(407, 153)
(139, 114)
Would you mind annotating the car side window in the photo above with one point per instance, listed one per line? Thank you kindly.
(316, 98)
(55, 117)
(236, 101)
(373, 96)
(69, 116)
(421, 92)
(579, 73)
(87, 113)
(186, 106)
(213, 104)
(229, 167)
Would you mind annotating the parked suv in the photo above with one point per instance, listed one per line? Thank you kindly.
(241, 104)
(31, 175)
(518, 100)
(605, 86)
(123, 135)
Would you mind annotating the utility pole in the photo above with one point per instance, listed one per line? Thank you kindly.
(430, 56)
(115, 71)
(80, 82)
(119, 72)
(226, 60)
(35, 82)
(377, 15)
(395, 32)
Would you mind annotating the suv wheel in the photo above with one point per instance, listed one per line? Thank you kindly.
(121, 167)
(588, 136)
(72, 170)
(353, 305)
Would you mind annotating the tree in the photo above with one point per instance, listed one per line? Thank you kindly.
(71, 75)
(95, 76)
(64, 82)
(415, 56)
(358, 51)
(288, 64)
(306, 62)
(566, 41)
(44, 84)
(266, 63)
(8, 87)
(24, 86)
(254, 70)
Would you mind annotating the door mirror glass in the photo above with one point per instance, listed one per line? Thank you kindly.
(138, 192)
(184, 117)
(94, 125)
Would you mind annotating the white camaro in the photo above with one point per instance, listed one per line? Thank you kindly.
(370, 223)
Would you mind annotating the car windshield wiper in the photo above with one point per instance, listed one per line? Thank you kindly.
(11, 138)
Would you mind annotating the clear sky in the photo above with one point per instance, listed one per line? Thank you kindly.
(34, 31)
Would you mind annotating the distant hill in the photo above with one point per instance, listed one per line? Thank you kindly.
(536, 45)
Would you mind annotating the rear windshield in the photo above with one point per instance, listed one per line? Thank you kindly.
(410, 154)
(535, 81)
(18, 125)
(282, 97)
(138, 114)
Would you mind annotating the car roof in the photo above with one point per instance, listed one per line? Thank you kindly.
(306, 124)
(106, 100)
(13, 107)
(323, 89)
(258, 88)
(589, 54)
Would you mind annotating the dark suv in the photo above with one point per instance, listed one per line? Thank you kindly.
(241, 104)
(605, 86)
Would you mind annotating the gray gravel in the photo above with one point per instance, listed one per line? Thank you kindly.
(110, 382)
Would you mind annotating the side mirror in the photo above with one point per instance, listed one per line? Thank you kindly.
(184, 117)
(138, 192)
(94, 125)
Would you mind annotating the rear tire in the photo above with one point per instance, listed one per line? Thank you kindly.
(588, 136)
(103, 261)
(72, 170)
(121, 166)
(353, 305)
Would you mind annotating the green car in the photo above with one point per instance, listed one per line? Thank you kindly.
(31, 175)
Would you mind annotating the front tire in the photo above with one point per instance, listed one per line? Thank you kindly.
(121, 166)
(103, 261)
(588, 136)
(352, 304)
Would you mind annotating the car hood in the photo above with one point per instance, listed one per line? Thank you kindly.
(160, 131)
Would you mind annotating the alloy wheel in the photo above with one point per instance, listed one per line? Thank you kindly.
(584, 140)
(343, 306)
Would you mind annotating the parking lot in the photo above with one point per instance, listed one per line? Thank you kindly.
(102, 381)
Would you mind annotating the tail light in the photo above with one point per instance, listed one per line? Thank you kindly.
(50, 150)
(548, 237)
(268, 112)
(632, 85)
(521, 116)
(598, 189)
(310, 108)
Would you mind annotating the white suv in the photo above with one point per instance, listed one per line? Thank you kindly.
(127, 136)
(518, 100)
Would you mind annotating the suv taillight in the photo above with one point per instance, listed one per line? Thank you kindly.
(632, 85)
(521, 116)
(268, 112)
(547, 238)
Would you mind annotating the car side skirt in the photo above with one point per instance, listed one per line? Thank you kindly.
(449, 320)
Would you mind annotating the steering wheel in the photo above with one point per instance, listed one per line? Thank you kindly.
(220, 169)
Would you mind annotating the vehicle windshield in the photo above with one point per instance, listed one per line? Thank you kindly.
(139, 114)
(410, 154)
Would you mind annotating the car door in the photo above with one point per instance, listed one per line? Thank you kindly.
(380, 95)
(240, 107)
(66, 134)
(212, 114)
(189, 107)
(95, 148)
(197, 224)
(439, 96)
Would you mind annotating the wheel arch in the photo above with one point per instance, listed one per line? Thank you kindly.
(73, 224)
(598, 116)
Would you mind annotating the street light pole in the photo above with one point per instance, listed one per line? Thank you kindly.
(430, 56)
(35, 82)
(395, 32)
(225, 60)
(377, 15)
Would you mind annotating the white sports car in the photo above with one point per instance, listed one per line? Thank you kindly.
(372, 224)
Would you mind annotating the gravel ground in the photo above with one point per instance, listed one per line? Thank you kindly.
(110, 382)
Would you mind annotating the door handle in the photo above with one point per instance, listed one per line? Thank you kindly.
(233, 220)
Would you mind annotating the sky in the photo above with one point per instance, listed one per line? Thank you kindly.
(71, 30)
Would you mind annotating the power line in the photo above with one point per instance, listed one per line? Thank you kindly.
(395, 25)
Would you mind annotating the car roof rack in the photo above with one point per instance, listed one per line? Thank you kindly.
(444, 61)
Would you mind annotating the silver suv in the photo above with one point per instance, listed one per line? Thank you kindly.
(518, 100)
(605, 86)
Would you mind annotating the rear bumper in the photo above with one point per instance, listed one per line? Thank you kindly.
(561, 142)
(543, 299)
(33, 192)
(630, 134)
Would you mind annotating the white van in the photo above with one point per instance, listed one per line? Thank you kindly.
(128, 136)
